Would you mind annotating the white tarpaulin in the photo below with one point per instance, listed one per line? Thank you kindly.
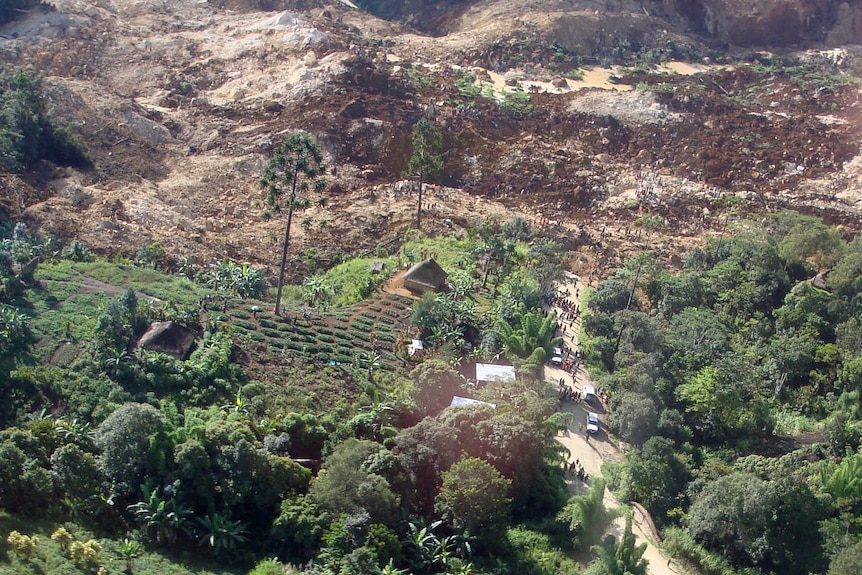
(491, 372)
(467, 401)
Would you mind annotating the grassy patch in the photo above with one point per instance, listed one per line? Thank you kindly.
(353, 281)
(72, 318)
(446, 251)
(179, 290)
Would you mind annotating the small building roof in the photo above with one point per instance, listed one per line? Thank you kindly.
(168, 337)
(493, 372)
(415, 346)
(425, 276)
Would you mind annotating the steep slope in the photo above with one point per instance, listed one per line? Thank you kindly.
(178, 105)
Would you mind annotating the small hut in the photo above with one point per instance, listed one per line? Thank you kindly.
(425, 276)
(168, 337)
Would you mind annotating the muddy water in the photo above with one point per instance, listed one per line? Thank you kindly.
(601, 78)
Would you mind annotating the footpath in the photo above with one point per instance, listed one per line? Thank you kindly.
(599, 448)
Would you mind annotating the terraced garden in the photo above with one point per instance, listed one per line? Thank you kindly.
(370, 331)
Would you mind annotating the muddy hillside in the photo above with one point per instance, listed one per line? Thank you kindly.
(590, 117)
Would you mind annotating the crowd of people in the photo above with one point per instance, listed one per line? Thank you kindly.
(575, 468)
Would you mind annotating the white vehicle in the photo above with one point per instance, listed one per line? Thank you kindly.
(592, 422)
(557, 358)
(589, 393)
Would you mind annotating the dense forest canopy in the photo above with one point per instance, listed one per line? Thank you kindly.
(753, 340)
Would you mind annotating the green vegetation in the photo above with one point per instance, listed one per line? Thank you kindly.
(706, 365)
(192, 455)
(135, 452)
(426, 158)
(517, 102)
(29, 133)
(296, 167)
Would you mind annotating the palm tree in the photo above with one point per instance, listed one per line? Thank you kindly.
(130, 550)
(164, 518)
(221, 534)
(295, 167)
(623, 559)
(114, 364)
(532, 338)
(420, 544)
(317, 290)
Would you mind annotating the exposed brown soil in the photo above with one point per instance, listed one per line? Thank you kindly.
(179, 105)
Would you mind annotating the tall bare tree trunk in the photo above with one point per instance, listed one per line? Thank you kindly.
(419, 207)
(277, 309)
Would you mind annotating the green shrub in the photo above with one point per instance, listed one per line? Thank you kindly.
(238, 313)
(78, 252)
(271, 333)
(267, 323)
(249, 325)
(326, 338)
(24, 546)
(268, 567)
(240, 279)
(29, 132)
(681, 545)
(85, 555)
(254, 336)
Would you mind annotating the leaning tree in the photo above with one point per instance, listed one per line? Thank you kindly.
(295, 168)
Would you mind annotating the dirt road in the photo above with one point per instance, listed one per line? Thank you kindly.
(599, 448)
